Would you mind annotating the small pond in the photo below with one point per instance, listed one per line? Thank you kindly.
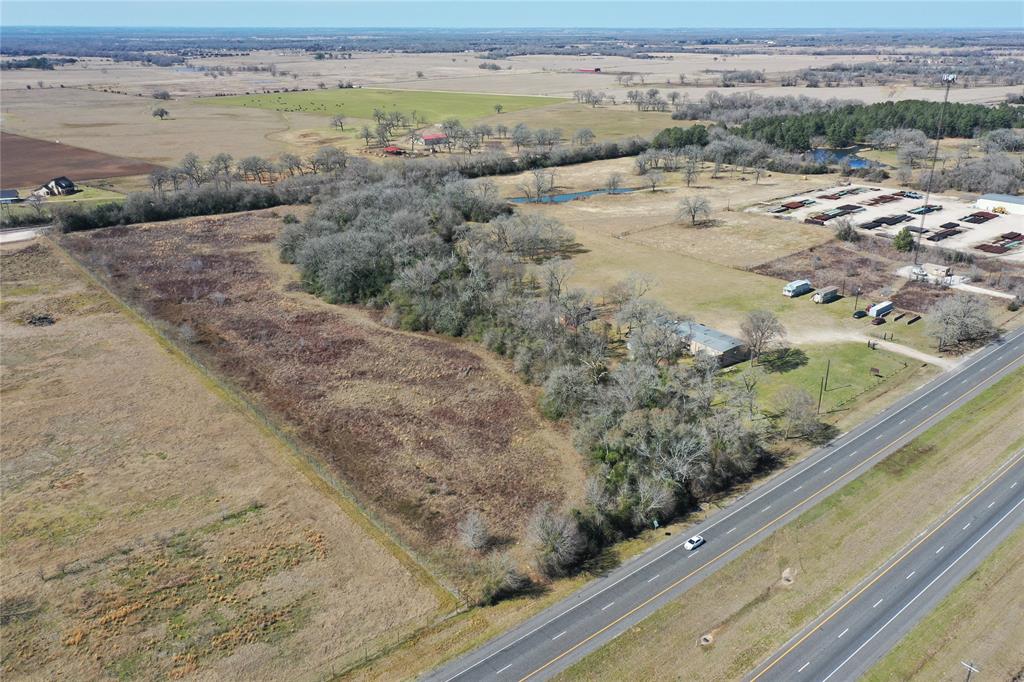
(568, 196)
(825, 155)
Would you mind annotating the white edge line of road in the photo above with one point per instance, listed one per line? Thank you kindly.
(894, 558)
(925, 589)
(808, 465)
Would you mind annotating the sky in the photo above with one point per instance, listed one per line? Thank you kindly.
(882, 14)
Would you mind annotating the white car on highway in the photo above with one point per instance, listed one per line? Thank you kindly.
(693, 543)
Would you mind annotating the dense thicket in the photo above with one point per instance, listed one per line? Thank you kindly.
(43, 63)
(849, 124)
(141, 207)
(442, 253)
(681, 148)
(740, 107)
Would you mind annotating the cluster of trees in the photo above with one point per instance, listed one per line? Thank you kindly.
(648, 100)
(740, 107)
(591, 97)
(43, 63)
(685, 148)
(441, 253)
(849, 124)
(971, 70)
(219, 185)
(222, 170)
(731, 79)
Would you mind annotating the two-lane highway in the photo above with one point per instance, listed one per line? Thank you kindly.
(582, 623)
(845, 641)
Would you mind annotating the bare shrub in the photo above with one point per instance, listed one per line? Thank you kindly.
(473, 532)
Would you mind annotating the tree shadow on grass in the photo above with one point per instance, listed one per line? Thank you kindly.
(783, 360)
(602, 564)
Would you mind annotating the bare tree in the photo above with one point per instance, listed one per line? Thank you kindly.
(761, 329)
(498, 108)
(655, 500)
(556, 540)
(654, 178)
(473, 532)
(338, 122)
(696, 209)
(798, 412)
(583, 136)
(613, 182)
(960, 319)
(161, 113)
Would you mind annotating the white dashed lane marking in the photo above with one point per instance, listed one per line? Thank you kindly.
(803, 667)
(843, 633)
(910, 575)
(654, 578)
(559, 635)
(504, 669)
(875, 605)
(607, 606)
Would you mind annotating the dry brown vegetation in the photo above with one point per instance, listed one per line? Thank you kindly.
(151, 529)
(424, 429)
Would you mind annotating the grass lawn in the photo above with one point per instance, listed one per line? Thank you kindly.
(86, 194)
(849, 374)
(359, 103)
(606, 122)
(972, 623)
(749, 610)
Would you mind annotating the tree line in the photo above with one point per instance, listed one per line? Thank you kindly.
(846, 125)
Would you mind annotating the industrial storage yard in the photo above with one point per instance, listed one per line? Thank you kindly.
(985, 226)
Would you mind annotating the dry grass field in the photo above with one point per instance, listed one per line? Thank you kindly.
(550, 75)
(755, 603)
(153, 530)
(423, 428)
(124, 126)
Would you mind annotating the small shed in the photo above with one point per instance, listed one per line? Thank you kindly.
(392, 150)
(826, 294)
(9, 196)
(938, 271)
(797, 288)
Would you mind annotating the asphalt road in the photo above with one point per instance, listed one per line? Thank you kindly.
(565, 632)
(845, 641)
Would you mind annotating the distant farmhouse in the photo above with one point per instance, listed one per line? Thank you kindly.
(56, 187)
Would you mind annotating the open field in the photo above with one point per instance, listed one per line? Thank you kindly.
(970, 624)
(360, 103)
(152, 529)
(552, 75)
(421, 440)
(124, 126)
(29, 162)
(755, 603)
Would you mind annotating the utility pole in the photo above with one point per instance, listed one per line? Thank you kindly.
(970, 669)
(948, 79)
(828, 368)
(821, 392)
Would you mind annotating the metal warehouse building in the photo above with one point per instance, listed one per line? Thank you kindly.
(1001, 203)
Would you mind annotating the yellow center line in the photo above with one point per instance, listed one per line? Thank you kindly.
(805, 500)
(963, 505)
